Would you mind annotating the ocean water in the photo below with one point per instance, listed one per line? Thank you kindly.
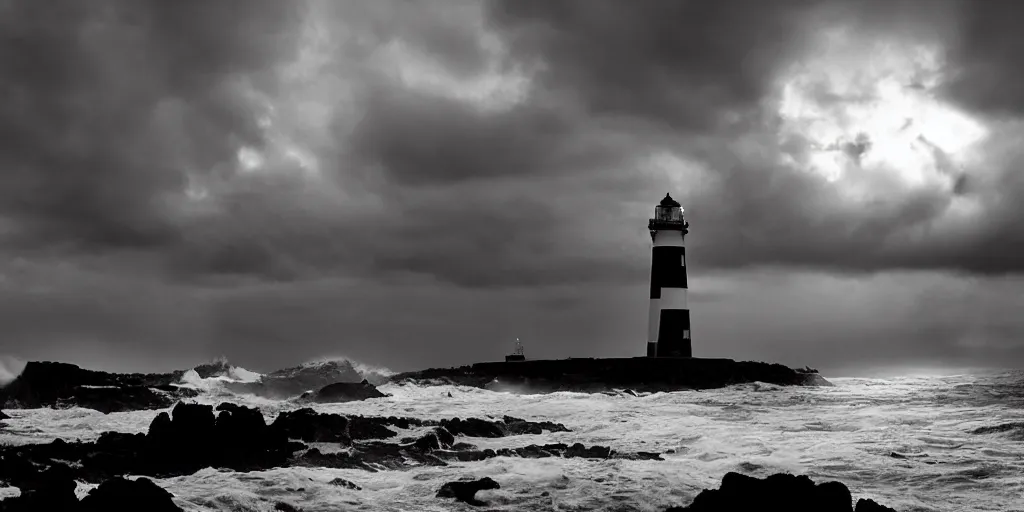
(905, 442)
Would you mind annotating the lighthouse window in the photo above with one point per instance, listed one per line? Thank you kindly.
(682, 259)
(686, 334)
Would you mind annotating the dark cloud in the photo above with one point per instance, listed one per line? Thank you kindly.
(418, 138)
(656, 62)
(487, 153)
(984, 51)
(106, 106)
(685, 64)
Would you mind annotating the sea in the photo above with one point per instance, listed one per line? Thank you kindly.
(910, 442)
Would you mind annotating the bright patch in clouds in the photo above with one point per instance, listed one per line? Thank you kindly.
(493, 90)
(866, 111)
(249, 159)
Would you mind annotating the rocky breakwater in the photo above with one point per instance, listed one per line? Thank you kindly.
(49, 384)
(596, 375)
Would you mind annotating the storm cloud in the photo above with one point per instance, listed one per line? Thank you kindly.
(237, 157)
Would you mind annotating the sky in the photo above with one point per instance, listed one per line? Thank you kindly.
(418, 183)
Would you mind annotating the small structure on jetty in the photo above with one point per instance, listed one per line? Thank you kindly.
(517, 354)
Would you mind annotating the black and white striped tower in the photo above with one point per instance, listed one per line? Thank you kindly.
(668, 331)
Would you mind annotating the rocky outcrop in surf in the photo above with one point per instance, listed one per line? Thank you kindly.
(312, 426)
(49, 384)
(54, 489)
(193, 437)
(598, 375)
(780, 491)
(465, 490)
(341, 392)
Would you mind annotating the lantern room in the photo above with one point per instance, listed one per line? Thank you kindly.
(668, 215)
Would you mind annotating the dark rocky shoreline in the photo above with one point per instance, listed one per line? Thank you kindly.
(49, 384)
(596, 375)
(238, 438)
(60, 385)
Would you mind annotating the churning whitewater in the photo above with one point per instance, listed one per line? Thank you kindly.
(922, 443)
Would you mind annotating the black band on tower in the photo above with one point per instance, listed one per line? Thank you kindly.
(674, 333)
(668, 269)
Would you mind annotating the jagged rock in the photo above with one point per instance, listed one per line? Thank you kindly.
(340, 392)
(444, 437)
(427, 443)
(121, 495)
(50, 489)
(48, 384)
(473, 427)
(54, 489)
(374, 455)
(360, 427)
(285, 507)
(518, 426)
(311, 426)
(465, 490)
(4, 416)
(341, 482)
(534, 451)
(510, 426)
(777, 492)
(869, 505)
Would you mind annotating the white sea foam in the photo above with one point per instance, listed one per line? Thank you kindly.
(846, 433)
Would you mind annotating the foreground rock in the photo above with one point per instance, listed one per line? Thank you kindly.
(465, 490)
(238, 438)
(341, 392)
(595, 375)
(778, 492)
(56, 492)
(189, 439)
(47, 384)
(4, 416)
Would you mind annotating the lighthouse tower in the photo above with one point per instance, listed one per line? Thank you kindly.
(668, 331)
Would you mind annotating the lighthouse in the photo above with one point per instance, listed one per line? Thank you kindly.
(668, 328)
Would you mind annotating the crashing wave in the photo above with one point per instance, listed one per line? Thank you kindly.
(284, 383)
(376, 375)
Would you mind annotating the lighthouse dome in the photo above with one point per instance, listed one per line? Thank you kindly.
(668, 201)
